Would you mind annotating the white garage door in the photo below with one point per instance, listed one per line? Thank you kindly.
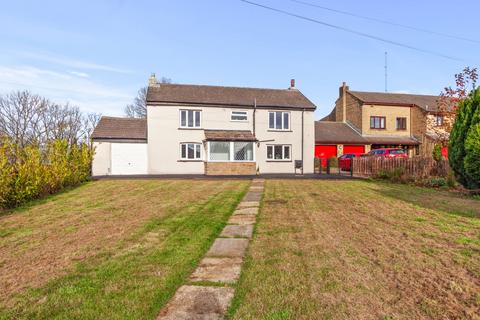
(129, 158)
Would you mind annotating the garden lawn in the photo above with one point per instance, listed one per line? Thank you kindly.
(361, 250)
(112, 249)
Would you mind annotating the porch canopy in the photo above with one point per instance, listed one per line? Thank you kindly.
(229, 135)
(230, 145)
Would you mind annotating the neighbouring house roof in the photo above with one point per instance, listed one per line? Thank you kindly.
(229, 135)
(408, 141)
(426, 102)
(228, 96)
(120, 128)
(328, 132)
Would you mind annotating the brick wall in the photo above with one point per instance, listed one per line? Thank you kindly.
(354, 111)
(419, 123)
(230, 168)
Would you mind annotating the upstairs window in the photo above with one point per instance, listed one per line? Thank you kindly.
(279, 120)
(377, 122)
(190, 118)
(401, 123)
(439, 121)
(239, 116)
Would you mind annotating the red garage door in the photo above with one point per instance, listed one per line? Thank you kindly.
(353, 149)
(324, 152)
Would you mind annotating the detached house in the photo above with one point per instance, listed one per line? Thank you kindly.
(213, 130)
(362, 121)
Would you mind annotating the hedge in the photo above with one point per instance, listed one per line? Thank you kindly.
(33, 171)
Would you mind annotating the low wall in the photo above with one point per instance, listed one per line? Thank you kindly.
(230, 168)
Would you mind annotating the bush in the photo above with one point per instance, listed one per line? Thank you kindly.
(396, 175)
(464, 144)
(436, 182)
(437, 152)
(333, 162)
(30, 172)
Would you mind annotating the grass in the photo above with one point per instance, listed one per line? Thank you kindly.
(361, 250)
(109, 249)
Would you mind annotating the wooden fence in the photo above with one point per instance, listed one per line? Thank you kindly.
(417, 167)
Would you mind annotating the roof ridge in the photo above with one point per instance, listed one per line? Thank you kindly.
(233, 87)
(391, 93)
(122, 118)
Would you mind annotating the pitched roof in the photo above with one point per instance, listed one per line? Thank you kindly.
(229, 135)
(408, 141)
(426, 102)
(228, 96)
(327, 132)
(120, 128)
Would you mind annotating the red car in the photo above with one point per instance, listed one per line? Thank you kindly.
(345, 160)
(389, 153)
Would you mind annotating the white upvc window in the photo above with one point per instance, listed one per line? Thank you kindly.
(239, 116)
(279, 152)
(231, 151)
(278, 120)
(190, 118)
(191, 151)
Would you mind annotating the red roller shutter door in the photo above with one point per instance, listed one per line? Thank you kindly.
(353, 149)
(324, 152)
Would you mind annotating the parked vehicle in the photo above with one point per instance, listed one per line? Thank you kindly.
(389, 153)
(345, 160)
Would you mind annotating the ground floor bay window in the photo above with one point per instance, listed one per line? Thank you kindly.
(231, 151)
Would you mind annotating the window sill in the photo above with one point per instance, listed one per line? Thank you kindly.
(401, 129)
(245, 121)
(279, 161)
(190, 160)
(186, 128)
(378, 128)
(279, 130)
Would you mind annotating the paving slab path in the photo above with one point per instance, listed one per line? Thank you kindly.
(208, 293)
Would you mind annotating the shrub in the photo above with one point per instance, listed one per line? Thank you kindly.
(436, 182)
(437, 152)
(395, 175)
(30, 172)
(450, 180)
(333, 162)
(464, 145)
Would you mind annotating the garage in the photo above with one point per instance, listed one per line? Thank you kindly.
(120, 146)
(353, 149)
(129, 158)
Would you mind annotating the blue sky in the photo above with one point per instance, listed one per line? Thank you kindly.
(97, 54)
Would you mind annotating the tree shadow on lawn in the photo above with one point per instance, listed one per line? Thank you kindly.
(434, 199)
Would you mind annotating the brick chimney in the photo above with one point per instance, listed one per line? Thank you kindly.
(292, 85)
(343, 94)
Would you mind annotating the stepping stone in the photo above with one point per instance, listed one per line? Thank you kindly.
(256, 189)
(237, 231)
(242, 219)
(246, 211)
(253, 196)
(247, 204)
(226, 270)
(198, 302)
(225, 247)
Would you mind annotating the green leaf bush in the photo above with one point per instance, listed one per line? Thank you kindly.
(464, 144)
(33, 171)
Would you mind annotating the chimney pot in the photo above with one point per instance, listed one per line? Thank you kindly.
(292, 83)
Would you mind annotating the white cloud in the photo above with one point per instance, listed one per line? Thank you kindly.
(80, 74)
(84, 92)
(71, 63)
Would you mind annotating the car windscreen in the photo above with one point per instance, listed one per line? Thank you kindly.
(397, 151)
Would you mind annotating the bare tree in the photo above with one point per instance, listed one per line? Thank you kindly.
(138, 109)
(29, 118)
